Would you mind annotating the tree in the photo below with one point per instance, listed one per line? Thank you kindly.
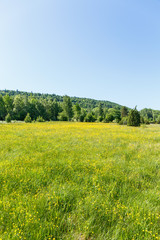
(77, 112)
(115, 113)
(124, 112)
(19, 108)
(123, 121)
(133, 118)
(89, 117)
(56, 110)
(83, 114)
(8, 118)
(109, 118)
(67, 107)
(147, 113)
(28, 118)
(158, 120)
(40, 119)
(100, 112)
(8, 102)
(62, 116)
(41, 110)
(2, 108)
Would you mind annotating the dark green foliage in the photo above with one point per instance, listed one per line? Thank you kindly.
(2, 108)
(62, 117)
(109, 118)
(28, 118)
(158, 120)
(67, 107)
(146, 121)
(77, 112)
(147, 113)
(53, 107)
(100, 119)
(8, 118)
(19, 109)
(8, 102)
(115, 113)
(83, 114)
(133, 118)
(150, 115)
(100, 112)
(86, 103)
(89, 117)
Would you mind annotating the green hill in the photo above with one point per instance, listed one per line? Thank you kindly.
(86, 103)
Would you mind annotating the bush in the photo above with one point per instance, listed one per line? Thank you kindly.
(146, 121)
(123, 121)
(40, 119)
(133, 118)
(100, 119)
(89, 118)
(158, 120)
(8, 118)
(109, 118)
(62, 116)
(28, 118)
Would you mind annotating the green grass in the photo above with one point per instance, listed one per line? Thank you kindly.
(79, 181)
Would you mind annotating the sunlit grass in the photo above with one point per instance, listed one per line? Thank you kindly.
(79, 181)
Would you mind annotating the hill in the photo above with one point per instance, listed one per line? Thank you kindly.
(86, 103)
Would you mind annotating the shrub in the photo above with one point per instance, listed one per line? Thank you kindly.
(28, 118)
(8, 118)
(133, 118)
(109, 118)
(40, 119)
(123, 121)
(158, 120)
(62, 116)
(146, 121)
(89, 118)
(100, 119)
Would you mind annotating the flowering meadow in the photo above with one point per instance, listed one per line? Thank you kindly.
(80, 181)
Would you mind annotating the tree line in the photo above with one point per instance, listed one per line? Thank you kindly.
(19, 106)
(30, 107)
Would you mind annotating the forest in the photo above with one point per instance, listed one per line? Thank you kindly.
(24, 106)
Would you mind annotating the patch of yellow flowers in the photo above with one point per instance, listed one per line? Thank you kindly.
(64, 180)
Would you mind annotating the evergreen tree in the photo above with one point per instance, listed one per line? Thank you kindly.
(100, 112)
(28, 118)
(67, 107)
(133, 118)
(2, 108)
(77, 112)
(124, 112)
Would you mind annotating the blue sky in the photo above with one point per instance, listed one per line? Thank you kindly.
(101, 49)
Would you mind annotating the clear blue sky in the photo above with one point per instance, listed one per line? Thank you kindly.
(101, 49)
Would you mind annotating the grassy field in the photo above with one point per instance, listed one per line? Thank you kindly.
(79, 181)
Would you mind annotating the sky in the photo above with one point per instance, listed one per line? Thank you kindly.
(100, 49)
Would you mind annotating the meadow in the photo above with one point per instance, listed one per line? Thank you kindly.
(80, 181)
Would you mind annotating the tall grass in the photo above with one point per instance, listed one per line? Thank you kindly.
(79, 181)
